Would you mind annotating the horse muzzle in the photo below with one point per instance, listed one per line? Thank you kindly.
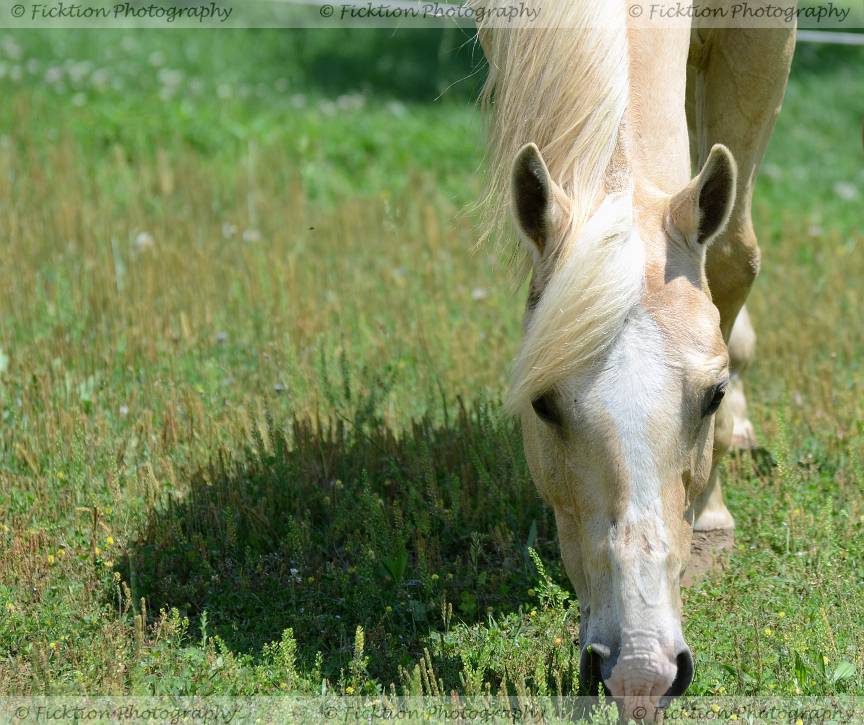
(647, 673)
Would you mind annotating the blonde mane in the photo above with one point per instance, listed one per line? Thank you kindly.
(561, 81)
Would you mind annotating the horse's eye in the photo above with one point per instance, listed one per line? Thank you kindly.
(546, 409)
(717, 398)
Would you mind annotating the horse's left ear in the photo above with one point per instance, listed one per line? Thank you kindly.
(537, 202)
(701, 209)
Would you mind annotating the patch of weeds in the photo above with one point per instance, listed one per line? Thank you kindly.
(340, 530)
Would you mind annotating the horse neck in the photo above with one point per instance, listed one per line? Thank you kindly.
(660, 149)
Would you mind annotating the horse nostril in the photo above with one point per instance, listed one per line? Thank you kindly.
(591, 664)
(683, 677)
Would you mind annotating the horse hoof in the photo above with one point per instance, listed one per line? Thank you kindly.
(743, 436)
(709, 553)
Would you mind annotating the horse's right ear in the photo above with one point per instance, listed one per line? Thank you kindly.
(536, 201)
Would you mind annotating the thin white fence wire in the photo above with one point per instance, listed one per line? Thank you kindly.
(824, 36)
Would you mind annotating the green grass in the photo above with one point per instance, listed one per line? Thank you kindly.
(250, 368)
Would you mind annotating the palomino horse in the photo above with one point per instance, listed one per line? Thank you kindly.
(638, 274)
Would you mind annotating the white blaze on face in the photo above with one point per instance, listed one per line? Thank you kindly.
(631, 391)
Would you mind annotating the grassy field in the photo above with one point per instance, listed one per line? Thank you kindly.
(250, 371)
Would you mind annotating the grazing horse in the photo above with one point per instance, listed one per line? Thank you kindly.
(638, 275)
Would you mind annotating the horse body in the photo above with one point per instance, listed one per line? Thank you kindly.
(624, 365)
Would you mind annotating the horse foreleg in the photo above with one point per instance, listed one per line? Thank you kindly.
(737, 85)
(742, 350)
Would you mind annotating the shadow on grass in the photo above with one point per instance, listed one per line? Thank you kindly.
(323, 528)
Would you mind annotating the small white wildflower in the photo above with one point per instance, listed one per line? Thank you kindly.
(11, 49)
(53, 75)
(168, 77)
(145, 241)
(846, 191)
(772, 171)
(77, 72)
(99, 78)
(351, 102)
